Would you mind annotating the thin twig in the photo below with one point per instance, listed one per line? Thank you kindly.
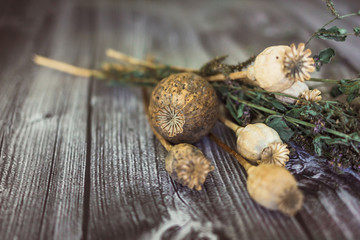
(149, 64)
(64, 67)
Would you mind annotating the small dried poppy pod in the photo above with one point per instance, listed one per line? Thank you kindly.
(275, 188)
(187, 165)
(183, 107)
(259, 143)
(295, 90)
(278, 67)
(310, 95)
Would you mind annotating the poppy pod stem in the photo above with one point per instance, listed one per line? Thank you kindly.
(233, 126)
(245, 164)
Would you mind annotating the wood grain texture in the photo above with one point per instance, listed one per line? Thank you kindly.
(78, 159)
(43, 128)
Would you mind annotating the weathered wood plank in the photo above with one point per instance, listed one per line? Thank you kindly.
(44, 115)
(78, 159)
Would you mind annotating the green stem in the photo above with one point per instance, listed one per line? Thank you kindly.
(291, 119)
(261, 108)
(252, 90)
(326, 80)
(332, 20)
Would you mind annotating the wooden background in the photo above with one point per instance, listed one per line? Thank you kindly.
(78, 159)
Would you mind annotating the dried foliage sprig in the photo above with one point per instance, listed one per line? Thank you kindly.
(327, 128)
(334, 33)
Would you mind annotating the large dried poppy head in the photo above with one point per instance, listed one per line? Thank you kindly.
(183, 108)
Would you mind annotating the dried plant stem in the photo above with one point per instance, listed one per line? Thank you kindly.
(144, 63)
(229, 150)
(64, 67)
(232, 76)
(233, 126)
(325, 80)
(117, 67)
(162, 140)
(241, 76)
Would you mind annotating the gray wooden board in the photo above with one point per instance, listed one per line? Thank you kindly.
(78, 158)
(43, 124)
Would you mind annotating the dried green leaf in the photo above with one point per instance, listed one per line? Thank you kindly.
(335, 91)
(352, 96)
(356, 31)
(350, 88)
(333, 33)
(278, 105)
(319, 144)
(295, 112)
(279, 125)
(326, 55)
(311, 112)
(231, 108)
(240, 111)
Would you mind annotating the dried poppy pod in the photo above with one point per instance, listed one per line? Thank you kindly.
(183, 107)
(187, 165)
(276, 68)
(269, 185)
(275, 188)
(310, 95)
(296, 90)
(259, 143)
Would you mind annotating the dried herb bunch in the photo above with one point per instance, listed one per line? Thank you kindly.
(327, 128)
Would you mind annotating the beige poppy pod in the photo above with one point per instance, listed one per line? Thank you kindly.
(295, 90)
(183, 107)
(259, 143)
(268, 69)
(269, 185)
(187, 165)
(275, 188)
(278, 67)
